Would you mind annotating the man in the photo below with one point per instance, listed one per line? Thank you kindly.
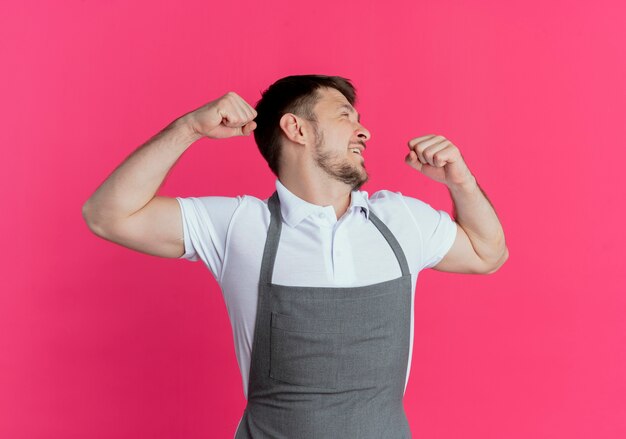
(319, 278)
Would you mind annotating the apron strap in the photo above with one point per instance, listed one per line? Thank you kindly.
(393, 243)
(271, 242)
(273, 236)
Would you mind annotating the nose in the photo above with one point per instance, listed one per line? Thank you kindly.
(363, 133)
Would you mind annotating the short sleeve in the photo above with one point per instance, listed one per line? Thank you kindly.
(437, 228)
(206, 221)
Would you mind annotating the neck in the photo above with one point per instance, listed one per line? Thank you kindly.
(318, 188)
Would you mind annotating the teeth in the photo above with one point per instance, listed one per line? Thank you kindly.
(356, 150)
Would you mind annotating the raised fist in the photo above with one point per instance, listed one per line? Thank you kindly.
(227, 116)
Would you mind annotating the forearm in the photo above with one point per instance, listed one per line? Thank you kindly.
(475, 214)
(135, 182)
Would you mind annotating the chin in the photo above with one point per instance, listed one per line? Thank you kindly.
(360, 184)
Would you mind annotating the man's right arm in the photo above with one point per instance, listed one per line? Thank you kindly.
(125, 208)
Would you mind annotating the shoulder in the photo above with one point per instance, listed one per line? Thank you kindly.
(383, 198)
(396, 208)
(390, 203)
(222, 211)
(222, 204)
(396, 202)
(210, 202)
(391, 209)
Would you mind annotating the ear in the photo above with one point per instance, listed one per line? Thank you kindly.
(294, 128)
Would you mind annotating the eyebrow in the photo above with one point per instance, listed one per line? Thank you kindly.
(351, 110)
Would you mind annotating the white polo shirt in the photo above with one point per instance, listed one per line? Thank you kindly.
(315, 249)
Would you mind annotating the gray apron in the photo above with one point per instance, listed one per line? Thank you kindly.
(328, 362)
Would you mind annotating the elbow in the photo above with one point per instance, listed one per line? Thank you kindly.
(500, 262)
(87, 215)
(90, 220)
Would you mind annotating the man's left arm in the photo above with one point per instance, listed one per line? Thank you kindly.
(479, 246)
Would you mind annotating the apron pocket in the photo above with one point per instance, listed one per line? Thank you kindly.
(305, 351)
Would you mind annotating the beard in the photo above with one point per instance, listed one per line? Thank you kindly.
(338, 168)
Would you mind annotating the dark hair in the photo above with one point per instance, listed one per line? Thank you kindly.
(293, 94)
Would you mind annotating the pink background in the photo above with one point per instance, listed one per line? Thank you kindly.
(97, 341)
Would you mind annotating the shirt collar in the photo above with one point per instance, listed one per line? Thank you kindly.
(294, 209)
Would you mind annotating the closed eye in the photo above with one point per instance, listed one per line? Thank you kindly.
(350, 110)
